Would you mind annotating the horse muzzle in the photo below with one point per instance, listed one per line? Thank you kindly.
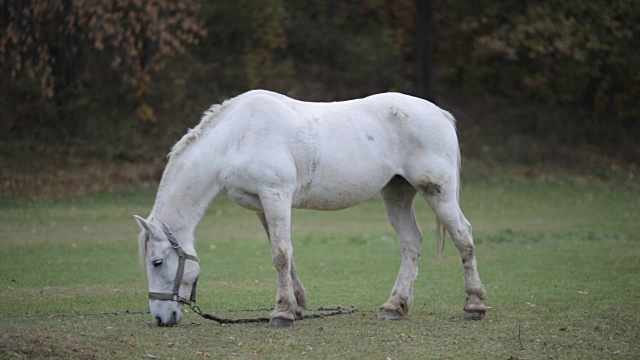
(166, 313)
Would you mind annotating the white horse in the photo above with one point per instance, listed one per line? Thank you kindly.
(272, 153)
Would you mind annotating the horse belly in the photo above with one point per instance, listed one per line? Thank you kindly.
(337, 188)
(337, 199)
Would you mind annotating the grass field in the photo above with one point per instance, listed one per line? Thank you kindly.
(560, 262)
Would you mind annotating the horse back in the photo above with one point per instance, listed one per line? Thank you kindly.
(334, 155)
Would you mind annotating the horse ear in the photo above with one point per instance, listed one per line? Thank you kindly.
(150, 227)
(144, 225)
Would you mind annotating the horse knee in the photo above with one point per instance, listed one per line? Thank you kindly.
(281, 259)
(463, 229)
(467, 251)
(463, 239)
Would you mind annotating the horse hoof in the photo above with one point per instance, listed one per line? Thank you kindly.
(386, 314)
(473, 315)
(280, 323)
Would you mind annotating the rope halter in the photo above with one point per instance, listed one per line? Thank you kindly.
(182, 257)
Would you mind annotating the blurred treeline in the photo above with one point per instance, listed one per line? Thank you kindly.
(122, 71)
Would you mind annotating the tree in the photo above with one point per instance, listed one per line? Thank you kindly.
(423, 84)
(50, 42)
(559, 52)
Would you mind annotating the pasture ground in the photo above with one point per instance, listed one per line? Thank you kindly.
(560, 261)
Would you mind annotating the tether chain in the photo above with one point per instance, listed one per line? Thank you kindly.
(329, 312)
(326, 312)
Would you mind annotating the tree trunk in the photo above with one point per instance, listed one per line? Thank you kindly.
(423, 82)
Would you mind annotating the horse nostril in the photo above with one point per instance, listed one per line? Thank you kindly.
(158, 321)
(174, 317)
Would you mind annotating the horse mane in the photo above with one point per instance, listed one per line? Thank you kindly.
(142, 248)
(208, 117)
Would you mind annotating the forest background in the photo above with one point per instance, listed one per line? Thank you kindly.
(93, 93)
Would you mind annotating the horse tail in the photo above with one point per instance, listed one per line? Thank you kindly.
(440, 229)
(440, 233)
(452, 120)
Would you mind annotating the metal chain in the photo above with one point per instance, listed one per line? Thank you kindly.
(326, 312)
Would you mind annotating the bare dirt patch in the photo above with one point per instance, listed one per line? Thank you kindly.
(21, 347)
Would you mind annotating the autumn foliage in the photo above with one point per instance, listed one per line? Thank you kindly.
(42, 39)
(564, 52)
(111, 68)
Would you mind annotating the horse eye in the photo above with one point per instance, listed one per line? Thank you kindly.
(157, 263)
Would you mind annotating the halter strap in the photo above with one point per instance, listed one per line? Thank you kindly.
(182, 257)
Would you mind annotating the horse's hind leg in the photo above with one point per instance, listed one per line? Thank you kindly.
(398, 197)
(443, 200)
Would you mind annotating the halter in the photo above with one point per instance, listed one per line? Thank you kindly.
(175, 294)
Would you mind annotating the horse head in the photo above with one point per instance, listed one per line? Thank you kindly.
(171, 271)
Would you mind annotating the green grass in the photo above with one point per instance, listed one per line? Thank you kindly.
(560, 263)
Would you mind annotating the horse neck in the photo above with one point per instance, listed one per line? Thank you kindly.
(186, 190)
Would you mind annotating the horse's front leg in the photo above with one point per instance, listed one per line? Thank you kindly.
(298, 289)
(277, 212)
